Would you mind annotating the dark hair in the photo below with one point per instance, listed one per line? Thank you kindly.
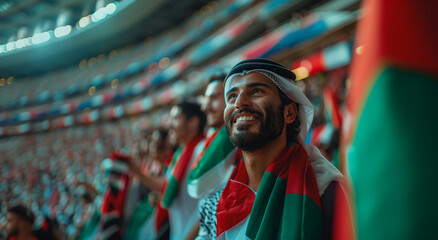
(23, 212)
(217, 77)
(192, 109)
(162, 133)
(162, 137)
(292, 129)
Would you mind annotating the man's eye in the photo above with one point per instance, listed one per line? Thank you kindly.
(256, 90)
(231, 96)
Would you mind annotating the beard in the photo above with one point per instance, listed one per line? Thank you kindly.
(270, 128)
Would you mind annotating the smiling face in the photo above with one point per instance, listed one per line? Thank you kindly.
(178, 124)
(254, 114)
(214, 104)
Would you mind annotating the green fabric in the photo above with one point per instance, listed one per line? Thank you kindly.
(218, 150)
(143, 211)
(89, 227)
(171, 192)
(171, 188)
(394, 158)
(273, 214)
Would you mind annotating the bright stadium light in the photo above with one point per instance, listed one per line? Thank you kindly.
(20, 43)
(84, 21)
(111, 8)
(98, 15)
(62, 31)
(2, 48)
(40, 38)
(10, 46)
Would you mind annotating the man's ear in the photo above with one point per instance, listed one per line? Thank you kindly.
(290, 113)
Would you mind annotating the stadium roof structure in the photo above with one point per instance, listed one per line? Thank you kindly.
(38, 36)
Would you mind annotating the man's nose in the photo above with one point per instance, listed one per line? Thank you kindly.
(242, 101)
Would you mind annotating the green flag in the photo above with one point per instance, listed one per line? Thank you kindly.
(391, 128)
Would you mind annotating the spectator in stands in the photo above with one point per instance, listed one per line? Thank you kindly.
(268, 117)
(188, 122)
(187, 125)
(19, 223)
(149, 221)
(210, 173)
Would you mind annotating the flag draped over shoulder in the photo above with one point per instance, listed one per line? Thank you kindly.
(114, 198)
(390, 132)
(179, 165)
(143, 212)
(211, 168)
(286, 206)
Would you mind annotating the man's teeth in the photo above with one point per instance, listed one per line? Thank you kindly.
(245, 118)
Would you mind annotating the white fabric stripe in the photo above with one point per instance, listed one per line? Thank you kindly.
(110, 215)
(212, 180)
(116, 182)
(119, 166)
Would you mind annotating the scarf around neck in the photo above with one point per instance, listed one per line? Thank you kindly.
(286, 206)
(179, 165)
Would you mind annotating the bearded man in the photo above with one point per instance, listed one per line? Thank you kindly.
(281, 188)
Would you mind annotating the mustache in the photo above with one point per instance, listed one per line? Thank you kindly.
(247, 110)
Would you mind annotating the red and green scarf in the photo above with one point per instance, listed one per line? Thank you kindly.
(113, 202)
(179, 165)
(286, 206)
(210, 168)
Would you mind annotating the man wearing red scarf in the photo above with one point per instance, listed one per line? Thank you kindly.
(187, 122)
(281, 188)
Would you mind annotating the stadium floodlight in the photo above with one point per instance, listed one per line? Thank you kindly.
(83, 22)
(2, 48)
(98, 15)
(111, 8)
(62, 31)
(10, 46)
(20, 43)
(40, 37)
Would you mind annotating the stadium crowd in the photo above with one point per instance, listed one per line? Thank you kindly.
(61, 175)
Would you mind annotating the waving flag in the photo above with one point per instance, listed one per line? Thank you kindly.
(210, 169)
(110, 225)
(391, 125)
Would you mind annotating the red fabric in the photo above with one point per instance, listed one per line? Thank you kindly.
(261, 47)
(238, 202)
(237, 199)
(179, 168)
(14, 238)
(391, 37)
(181, 165)
(331, 103)
(342, 218)
(313, 63)
(161, 217)
(114, 199)
(207, 143)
